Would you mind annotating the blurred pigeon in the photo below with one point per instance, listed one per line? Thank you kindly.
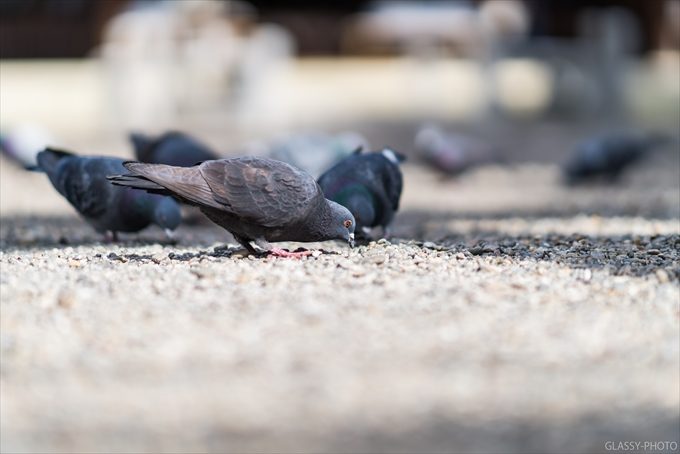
(452, 154)
(21, 144)
(172, 148)
(609, 155)
(369, 185)
(109, 209)
(315, 153)
(255, 199)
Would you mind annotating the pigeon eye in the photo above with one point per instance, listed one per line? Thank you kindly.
(348, 223)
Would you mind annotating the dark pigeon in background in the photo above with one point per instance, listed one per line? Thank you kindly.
(607, 156)
(171, 148)
(369, 185)
(255, 199)
(109, 209)
(451, 153)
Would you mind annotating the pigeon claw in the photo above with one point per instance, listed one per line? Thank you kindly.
(278, 252)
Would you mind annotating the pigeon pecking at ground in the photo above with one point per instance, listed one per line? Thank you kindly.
(172, 148)
(109, 209)
(260, 200)
(369, 185)
(607, 156)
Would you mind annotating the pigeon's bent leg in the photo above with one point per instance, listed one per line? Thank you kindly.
(245, 243)
(387, 232)
(111, 236)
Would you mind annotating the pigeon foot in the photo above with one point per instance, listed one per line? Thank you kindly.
(278, 252)
(110, 236)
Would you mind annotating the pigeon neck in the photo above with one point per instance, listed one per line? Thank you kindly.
(315, 226)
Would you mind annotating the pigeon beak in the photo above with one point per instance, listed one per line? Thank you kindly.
(170, 234)
(351, 240)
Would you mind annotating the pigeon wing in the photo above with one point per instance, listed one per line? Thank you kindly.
(384, 179)
(393, 185)
(88, 196)
(265, 192)
(184, 183)
(82, 181)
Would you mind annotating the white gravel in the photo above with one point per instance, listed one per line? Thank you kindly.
(532, 326)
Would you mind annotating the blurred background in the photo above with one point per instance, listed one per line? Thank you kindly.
(498, 82)
(78, 67)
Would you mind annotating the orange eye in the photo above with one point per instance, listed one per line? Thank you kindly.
(348, 223)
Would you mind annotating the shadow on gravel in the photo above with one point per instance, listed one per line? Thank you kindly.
(621, 255)
(40, 232)
(597, 432)
(590, 433)
(625, 254)
(409, 217)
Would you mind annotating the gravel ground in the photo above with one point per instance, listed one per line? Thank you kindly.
(508, 314)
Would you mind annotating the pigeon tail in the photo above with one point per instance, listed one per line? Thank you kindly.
(49, 158)
(184, 183)
(137, 179)
(137, 182)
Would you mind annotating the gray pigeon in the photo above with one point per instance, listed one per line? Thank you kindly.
(607, 156)
(255, 199)
(369, 185)
(171, 148)
(109, 209)
(453, 153)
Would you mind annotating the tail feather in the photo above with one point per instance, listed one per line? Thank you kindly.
(138, 182)
(49, 157)
(183, 183)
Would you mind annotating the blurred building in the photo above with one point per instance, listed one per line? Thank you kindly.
(72, 28)
(266, 67)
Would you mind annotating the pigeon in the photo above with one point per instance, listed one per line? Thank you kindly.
(255, 199)
(22, 143)
(171, 148)
(315, 153)
(109, 209)
(452, 154)
(369, 185)
(607, 156)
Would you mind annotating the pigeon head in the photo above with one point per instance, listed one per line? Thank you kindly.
(167, 214)
(342, 223)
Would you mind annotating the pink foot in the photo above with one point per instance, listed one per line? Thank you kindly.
(278, 252)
